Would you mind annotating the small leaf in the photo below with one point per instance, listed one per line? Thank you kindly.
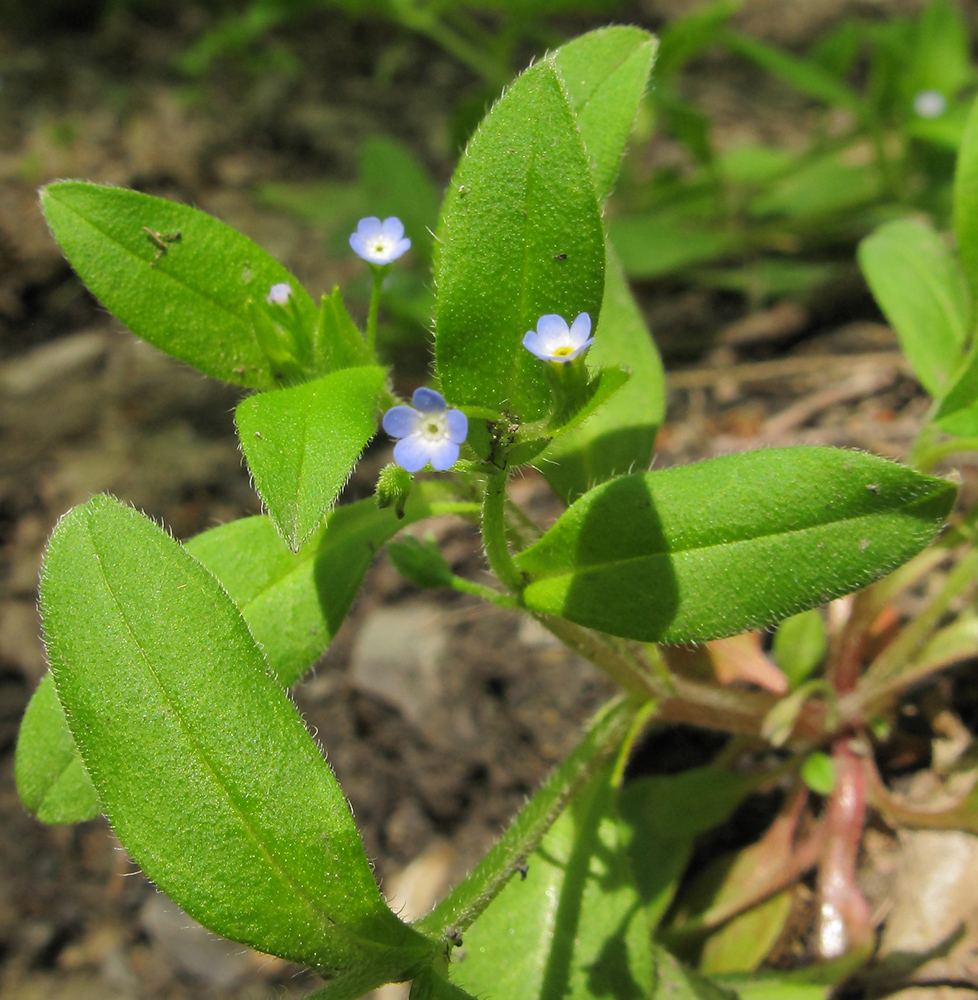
(921, 290)
(799, 645)
(818, 772)
(201, 762)
(674, 981)
(660, 556)
(295, 602)
(581, 932)
(189, 299)
(620, 435)
(302, 443)
(520, 236)
(337, 343)
(666, 240)
(605, 73)
(51, 779)
(742, 943)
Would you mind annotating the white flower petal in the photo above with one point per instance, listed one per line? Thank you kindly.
(580, 329)
(552, 327)
(443, 454)
(457, 424)
(370, 228)
(392, 228)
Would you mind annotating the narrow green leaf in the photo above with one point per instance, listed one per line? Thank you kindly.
(799, 645)
(772, 986)
(664, 814)
(804, 75)
(966, 202)
(958, 410)
(337, 343)
(660, 556)
(470, 898)
(921, 290)
(818, 772)
(201, 762)
(686, 37)
(816, 188)
(620, 435)
(574, 926)
(605, 73)
(190, 300)
(295, 602)
(302, 443)
(520, 235)
(941, 52)
(674, 981)
(51, 780)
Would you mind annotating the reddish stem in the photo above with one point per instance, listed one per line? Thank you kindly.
(844, 917)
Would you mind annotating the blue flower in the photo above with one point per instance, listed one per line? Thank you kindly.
(553, 340)
(379, 242)
(429, 432)
(279, 295)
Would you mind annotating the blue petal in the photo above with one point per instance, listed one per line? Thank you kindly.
(358, 242)
(399, 250)
(443, 455)
(400, 421)
(370, 228)
(577, 350)
(428, 401)
(411, 453)
(457, 424)
(580, 329)
(552, 325)
(531, 341)
(392, 228)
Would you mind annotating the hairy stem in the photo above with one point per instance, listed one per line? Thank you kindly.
(494, 533)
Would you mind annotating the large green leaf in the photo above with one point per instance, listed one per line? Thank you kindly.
(620, 435)
(663, 556)
(519, 236)
(294, 602)
(921, 290)
(605, 73)
(191, 300)
(302, 443)
(51, 779)
(201, 762)
(574, 927)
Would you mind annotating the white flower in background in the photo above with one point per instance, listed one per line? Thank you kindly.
(279, 295)
(380, 242)
(929, 104)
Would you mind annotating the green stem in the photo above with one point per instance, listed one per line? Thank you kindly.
(494, 533)
(379, 274)
(929, 455)
(464, 586)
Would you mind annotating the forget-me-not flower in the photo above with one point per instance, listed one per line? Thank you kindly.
(929, 104)
(429, 432)
(380, 242)
(279, 295)
(553, 340)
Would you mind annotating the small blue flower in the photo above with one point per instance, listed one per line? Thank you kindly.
(380, 242)
(553, 340)
(929, 104)
(429, 432)
(279, 295)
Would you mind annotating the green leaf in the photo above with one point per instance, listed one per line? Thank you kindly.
(200, 760)
(302, 443)
(51, 779)
(966, 202)
(664, 815)
(337, 343)
(958, 412)
(295, 602)
(520, 235)
(922, 292)
(674, 981)
(191, 300)
(470, 898)
(941, 52)
(772, 986)
(820, 187)
(686, 37)
(573, 927)
(605, 74)
(799, 645)
(742, 943)
(660, 556)
(818, 772)
(620, 435)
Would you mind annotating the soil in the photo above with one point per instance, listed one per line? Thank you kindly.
(434, 768)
